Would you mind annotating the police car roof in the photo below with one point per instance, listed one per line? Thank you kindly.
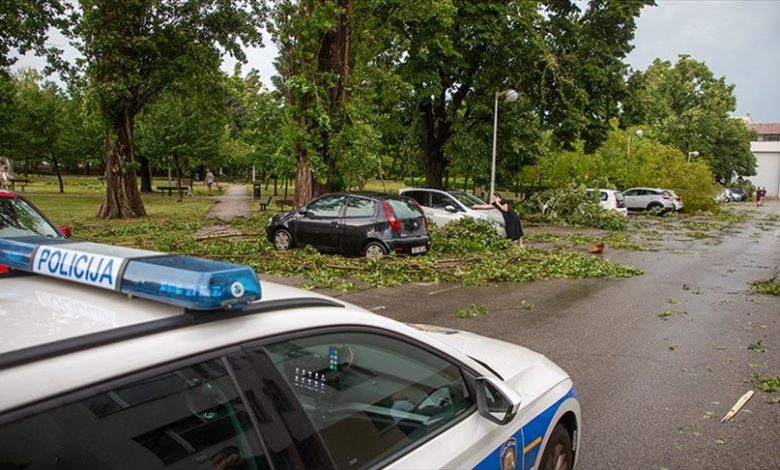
(36, 310)
(37, 313)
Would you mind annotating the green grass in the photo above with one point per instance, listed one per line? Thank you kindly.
(769, 287)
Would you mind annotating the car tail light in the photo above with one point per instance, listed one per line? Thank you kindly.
(3, 269)
(395, 224)
(665, 197)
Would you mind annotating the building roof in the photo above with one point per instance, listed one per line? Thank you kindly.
(765, 128)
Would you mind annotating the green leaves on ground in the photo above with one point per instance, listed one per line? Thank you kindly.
(474, 310)
(769, 287)
(767, 383)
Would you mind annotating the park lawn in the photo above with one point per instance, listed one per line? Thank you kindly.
(168, 223)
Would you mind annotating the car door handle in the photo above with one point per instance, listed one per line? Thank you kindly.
(334, 223)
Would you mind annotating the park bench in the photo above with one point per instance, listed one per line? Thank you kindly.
(170, 190)
(264, 205)
(13, 181)
(284, 202)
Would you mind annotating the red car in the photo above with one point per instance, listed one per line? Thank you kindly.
(20, 218)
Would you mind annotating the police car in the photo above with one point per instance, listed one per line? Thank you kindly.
(120, 358)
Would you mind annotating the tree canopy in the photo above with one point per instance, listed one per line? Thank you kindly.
(689, 108)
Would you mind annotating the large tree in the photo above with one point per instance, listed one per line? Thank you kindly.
(134, 50)
(689, 108)
(455, 55)
(314, 40)
(181, 130)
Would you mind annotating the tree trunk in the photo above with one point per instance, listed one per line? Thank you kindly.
(122, 199)
(58, 172)
(435, 133)
(146, 174)
(177, 167)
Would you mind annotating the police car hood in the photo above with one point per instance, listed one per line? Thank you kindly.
(510, 361)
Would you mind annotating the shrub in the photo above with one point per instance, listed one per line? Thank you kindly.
(468, 235)
(570, 205)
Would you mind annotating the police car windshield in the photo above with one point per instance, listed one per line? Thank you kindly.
(19, 219)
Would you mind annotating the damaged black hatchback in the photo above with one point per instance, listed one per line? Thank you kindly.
(354, 224)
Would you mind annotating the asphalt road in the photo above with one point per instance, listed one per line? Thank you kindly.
(653, 387)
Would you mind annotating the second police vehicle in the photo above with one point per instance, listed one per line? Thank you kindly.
(122, 358)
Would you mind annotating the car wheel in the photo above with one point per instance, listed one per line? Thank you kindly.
(558, 455)
(374, 250)
(282, 239)
(656, 208)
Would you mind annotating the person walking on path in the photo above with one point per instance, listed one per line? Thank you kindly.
(512, 225)
(209, 179)
(760, 195)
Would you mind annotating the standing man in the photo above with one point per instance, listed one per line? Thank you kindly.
(209, 179)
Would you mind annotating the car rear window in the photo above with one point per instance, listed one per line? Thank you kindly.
(405, 209)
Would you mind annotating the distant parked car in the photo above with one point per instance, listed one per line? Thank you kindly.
(368, 224)
(738, 195)
(652, 199)
(723, 196)
(677, 201)
(611, 200)
(443, 206)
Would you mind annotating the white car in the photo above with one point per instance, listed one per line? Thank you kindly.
(445, 206)
(651, 199)
(610, 199)
(122, 358)
(676, 200)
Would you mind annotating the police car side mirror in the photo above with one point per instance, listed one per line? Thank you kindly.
(495, 401)
(450, 208)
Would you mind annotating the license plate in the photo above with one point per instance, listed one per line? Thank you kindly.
(418, 249)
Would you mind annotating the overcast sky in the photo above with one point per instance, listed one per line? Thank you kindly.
(738, 39)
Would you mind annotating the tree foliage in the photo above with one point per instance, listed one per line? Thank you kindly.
(24, 26)
(134, 50)
(689, 108)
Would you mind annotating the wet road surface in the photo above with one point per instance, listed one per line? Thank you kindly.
(657, 359)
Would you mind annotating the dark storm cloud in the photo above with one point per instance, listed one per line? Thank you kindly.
(738, 39)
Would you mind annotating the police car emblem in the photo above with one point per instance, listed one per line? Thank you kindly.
(508, 455)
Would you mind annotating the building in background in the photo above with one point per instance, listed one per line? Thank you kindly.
(766, 148)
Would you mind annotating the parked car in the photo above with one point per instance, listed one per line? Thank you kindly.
(174, 362)
(368, 224)
(738, 195)
(652, 199)
(20, 218)
(723, 196)
(610, 199)
(443, 206)
(677, 201)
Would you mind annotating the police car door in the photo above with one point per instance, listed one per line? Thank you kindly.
(377, 400)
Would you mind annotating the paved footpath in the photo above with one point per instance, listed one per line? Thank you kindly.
(234, 202)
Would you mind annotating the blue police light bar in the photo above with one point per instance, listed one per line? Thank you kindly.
(188, 282)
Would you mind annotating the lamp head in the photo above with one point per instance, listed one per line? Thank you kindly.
(510, 95)
(639, 133)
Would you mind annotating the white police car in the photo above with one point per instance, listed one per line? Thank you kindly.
(183, 366)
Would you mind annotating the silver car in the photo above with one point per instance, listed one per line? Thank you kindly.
(443, 206)
(640, 199)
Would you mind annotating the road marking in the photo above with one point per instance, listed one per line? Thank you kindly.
(443, 290)
(381, 307)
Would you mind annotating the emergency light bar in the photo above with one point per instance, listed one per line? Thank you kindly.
(188, 282)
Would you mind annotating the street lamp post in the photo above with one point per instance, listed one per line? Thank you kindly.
(510, 95)
(693, 154)
(638, 133)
